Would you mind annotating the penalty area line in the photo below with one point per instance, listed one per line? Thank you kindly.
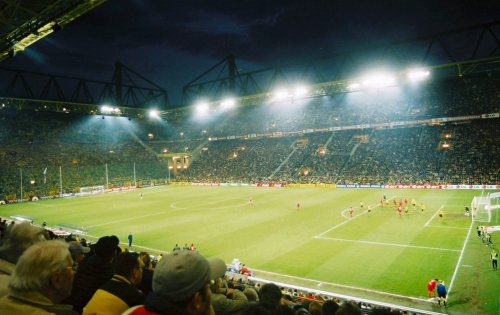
(388, 244)
(344, 222)
(432, 218)
(448, 227)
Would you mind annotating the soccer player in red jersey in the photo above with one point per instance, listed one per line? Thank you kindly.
(431, 288)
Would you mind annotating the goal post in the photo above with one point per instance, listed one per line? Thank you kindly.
(482, 207)
(90, 190)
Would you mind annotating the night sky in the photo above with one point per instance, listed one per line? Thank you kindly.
(172, 42)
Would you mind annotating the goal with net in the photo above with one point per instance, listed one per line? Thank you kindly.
(91, 190)
(482, 207)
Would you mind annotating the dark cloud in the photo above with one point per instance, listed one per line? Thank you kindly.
(174, 41)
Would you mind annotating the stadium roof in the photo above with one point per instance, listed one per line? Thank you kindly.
(22, 23)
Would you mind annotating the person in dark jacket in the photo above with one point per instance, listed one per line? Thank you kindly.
(93, 272)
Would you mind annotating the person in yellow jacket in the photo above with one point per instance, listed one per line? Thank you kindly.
(120, 293)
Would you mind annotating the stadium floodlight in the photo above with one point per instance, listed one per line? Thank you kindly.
(300, 90)
(153, 113)
(201, 107)
(109, 110)
(353, 86)
(378, 80)
(418, 74)
(105, 109)
(227, 103)
(280, 94)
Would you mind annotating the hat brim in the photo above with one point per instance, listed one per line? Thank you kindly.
(217, 268)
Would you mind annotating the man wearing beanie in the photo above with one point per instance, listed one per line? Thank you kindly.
(181, 283)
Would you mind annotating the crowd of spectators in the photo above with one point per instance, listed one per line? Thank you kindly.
(50, 153)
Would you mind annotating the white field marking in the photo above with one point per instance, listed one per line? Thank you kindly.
(343, 214)
(332, 228)
(341, 285)
(460, 258)
(172, 205)
(433, 216)
(387, 244)
(448, 227)
(342, 223)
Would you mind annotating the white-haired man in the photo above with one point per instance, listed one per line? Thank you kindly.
(17, 239)
(43, 277)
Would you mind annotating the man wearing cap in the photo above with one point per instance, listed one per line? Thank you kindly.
(181, 285)
(78, 251)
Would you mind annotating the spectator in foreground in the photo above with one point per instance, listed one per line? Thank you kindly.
(315, 308)
(93, 272)
(329, 307)
(78, 251)
(43, 277)
(147, 274)
(119, 293)
(348, 308)
(226, 301)
(270, 297)
(17, 239)
(181, 285)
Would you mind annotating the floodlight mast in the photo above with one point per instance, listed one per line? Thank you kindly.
(336, 67)
(232, 73)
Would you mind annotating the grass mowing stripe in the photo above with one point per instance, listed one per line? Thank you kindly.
(272, 235)
(126, 219)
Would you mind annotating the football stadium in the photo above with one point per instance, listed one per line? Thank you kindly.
(358, 182)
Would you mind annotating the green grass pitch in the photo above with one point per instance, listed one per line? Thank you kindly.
(378, 255)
